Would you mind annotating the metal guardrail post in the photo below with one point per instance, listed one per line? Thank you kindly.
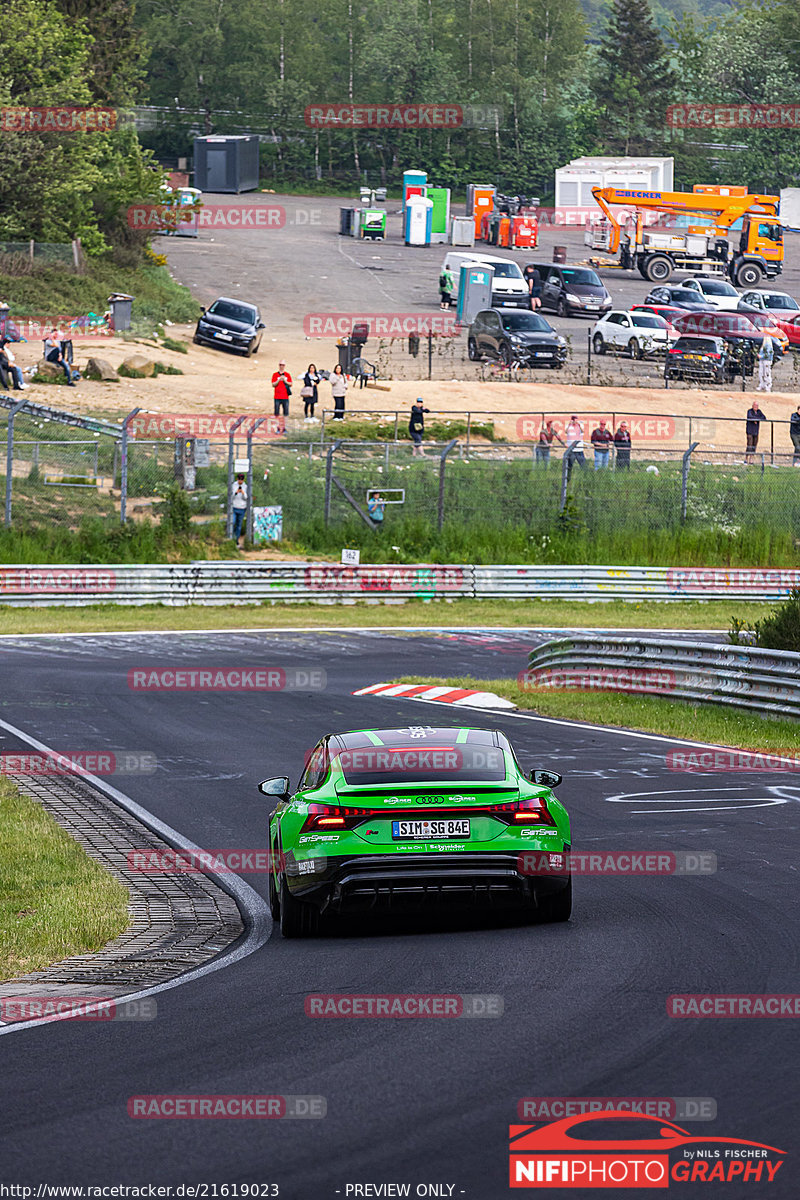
(685, 464)
(10, 456)
(442, 465)
(123, 467)
(229, 498)
(250, 433)
(328, 474)
(566, 471)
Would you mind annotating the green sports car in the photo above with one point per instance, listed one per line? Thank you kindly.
(394, 818)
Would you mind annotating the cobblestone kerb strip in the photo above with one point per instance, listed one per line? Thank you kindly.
(178, 921)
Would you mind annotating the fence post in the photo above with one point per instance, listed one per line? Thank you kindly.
(231, 454)
(10, 455)
(396, 419)
(328, 473)
(250, 433)
(566, 471)
(123, 467)
(430, 354)
(589, 359)
(469, 425)
(442, 464)
(685, 464)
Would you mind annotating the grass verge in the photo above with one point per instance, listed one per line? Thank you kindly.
(651, 714)
(550, 614)
(55, 900)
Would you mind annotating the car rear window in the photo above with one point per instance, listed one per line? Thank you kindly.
(419, 754)
(697, 345)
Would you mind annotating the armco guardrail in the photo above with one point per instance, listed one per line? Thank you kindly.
(330, 583)
(766, 680)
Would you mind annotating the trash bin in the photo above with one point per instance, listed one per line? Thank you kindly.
(346, 221)
(559, 254)
(413, 344)
(120, 310)
(343, 346)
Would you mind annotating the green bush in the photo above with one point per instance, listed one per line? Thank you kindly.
(778, 631)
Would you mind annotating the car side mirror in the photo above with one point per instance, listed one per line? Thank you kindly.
(549, 779)
(261, 325)
(202, 310)
(274, 787)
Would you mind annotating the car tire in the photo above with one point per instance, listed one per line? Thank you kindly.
(634, 349)
(750, 275)
(472, 350)
(274, 902)
(563, 308)
(558, 366)
(297, 919)
(598, 345)
(196, 340)
(557, 907)
(658, 268)
(250, 349)
(506, 355)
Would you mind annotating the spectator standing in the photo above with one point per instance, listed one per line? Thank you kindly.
(622, 446)
(338, 391)
(447, 286)
(281, 391)
(766, 353)
(794, 434)
(546, 435)
(375, 507)
(416, 426)
(309, 392)
(574, 433)
(8, 363)
(534, 281)
(601, 444)
(239, 506)
(54, 353)
(754, 417)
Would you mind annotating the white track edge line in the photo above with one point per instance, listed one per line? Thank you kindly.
(255, 909)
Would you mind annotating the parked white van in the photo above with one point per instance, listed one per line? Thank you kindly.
(509, 287)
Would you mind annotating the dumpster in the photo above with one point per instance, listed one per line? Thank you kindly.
(373, 224)
(120, 305)
(346, 221)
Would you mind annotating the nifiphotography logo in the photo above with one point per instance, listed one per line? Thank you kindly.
(622, 1150)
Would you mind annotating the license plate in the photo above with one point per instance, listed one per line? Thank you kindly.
(457, 828)
(542, 354)
(226, 337)
(592, 306)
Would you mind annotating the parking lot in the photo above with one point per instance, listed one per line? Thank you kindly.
(304, 268)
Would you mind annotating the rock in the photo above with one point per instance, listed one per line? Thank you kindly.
(48, 370)
(101, 368)
(139, 363)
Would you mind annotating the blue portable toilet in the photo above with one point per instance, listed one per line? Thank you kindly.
(474, 291)
(418, 221)
(414, 184)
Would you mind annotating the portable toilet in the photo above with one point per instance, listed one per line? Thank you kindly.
(483, 202)
(417, 221)
(440, 222)
(474, 291)
(373, 223)
(186, 197)
(414, 184)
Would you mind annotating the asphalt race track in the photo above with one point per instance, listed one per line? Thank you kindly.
(408, 1101)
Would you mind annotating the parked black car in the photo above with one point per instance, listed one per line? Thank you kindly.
(572, 290)
(509, 334)
(230, 323)
(679, 297)
(712, 358)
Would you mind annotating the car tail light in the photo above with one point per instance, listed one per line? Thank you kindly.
(328, 816)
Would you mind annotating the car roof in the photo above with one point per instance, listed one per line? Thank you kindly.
(231, 300)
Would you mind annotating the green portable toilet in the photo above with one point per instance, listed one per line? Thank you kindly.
(440, 222)
(373, 223)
